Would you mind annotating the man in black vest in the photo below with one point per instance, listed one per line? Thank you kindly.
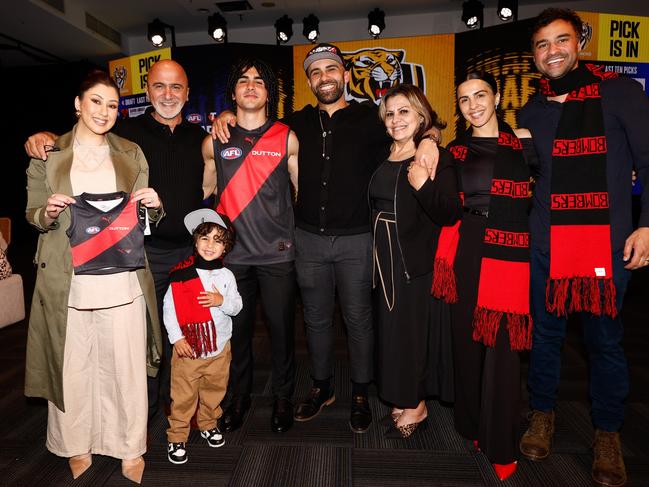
(252, 173)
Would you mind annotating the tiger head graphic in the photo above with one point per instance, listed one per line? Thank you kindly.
(372, 72)
(586, 35)
(119, 73)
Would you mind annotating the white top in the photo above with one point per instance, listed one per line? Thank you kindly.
(225, 283)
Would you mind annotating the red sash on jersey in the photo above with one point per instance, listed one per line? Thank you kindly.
(106, 238)
(250, 177)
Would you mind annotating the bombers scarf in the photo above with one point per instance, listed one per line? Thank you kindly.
(195, 320)
(580, 233)
(503, 289)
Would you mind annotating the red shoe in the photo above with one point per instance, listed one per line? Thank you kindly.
(503, 472)
(476, 446)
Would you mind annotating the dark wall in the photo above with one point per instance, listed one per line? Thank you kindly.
(35, 98)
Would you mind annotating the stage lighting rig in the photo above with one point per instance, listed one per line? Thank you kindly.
(310, 28)
(508, 10)
(376, 22)
(156, 33)
(284, 29)
(472, 13)
(217, 27)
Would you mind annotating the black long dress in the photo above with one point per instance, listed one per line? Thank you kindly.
(487, 380)
(407, 332)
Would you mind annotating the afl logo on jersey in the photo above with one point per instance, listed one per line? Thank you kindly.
(231, 153)
(92, 230)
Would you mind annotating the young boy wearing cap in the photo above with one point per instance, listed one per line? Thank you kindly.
(197, 311)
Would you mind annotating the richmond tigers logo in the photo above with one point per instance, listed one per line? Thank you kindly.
(120, 73)
(374, 71)
(586, 35)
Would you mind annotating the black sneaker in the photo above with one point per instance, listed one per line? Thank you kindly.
(313, 404)
(214, 437)
(177, 453)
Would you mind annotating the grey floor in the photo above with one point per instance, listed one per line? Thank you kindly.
(324, 452)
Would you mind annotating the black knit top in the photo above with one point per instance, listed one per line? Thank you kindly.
(175, 172)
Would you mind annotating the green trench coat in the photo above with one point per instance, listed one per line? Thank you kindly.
(48, 316)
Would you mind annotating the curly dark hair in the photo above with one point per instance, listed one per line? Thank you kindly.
(549, 15)
(94, 78)
(225, 235)
(267, 75)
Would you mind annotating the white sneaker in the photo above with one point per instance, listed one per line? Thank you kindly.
(214, 437)
(177, 453)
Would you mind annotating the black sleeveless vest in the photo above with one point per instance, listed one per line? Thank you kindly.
(254, 192)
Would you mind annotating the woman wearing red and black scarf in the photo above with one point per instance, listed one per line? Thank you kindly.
(482, 268)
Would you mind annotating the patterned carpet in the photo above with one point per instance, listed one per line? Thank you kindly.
(324, 452)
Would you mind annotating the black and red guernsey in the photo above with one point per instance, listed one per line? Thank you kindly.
(254, 192)
(106, 233)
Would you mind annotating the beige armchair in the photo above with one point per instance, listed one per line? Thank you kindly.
(12, 301)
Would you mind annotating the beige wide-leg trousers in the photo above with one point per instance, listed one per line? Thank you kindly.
(104, 384)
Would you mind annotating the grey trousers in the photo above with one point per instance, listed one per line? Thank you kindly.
(326, 264)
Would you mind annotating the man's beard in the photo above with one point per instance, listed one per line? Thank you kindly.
(330, 96)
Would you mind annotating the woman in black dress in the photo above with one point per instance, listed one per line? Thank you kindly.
(409, 204)
(485, 264)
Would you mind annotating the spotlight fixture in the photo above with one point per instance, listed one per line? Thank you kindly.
(508, 10)
(376, 22)
(217, 27)
(310, 28)
(284, 29)
(156, 33)
(472, 13)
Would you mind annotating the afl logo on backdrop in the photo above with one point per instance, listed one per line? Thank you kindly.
(92, 230)
(231, 153)
(194, 118)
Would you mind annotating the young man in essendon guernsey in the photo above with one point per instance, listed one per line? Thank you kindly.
(253, 172)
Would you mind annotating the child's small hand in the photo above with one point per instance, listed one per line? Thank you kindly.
(208, 299)
(183, 349)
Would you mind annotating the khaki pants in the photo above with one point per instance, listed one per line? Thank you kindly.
(104, 384)
(197, 380)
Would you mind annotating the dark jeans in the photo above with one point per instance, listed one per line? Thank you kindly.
(277, 288)
(160, 262)
(609, 377)
(324, 264)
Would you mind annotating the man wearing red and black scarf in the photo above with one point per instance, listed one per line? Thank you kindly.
(590, 130)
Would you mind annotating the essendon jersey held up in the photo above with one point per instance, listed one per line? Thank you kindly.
(254, 192)
(106, 233)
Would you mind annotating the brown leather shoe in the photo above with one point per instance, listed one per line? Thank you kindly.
(536, 442)
(608, 464)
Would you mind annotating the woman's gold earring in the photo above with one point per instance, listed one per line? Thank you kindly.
(77, 113)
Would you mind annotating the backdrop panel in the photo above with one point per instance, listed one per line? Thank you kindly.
(376, 65)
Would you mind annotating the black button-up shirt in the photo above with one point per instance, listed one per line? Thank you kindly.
(337, 158)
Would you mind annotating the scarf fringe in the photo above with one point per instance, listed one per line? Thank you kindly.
(201, 337)
(585, 296)
(486, 323)
(444, 286)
